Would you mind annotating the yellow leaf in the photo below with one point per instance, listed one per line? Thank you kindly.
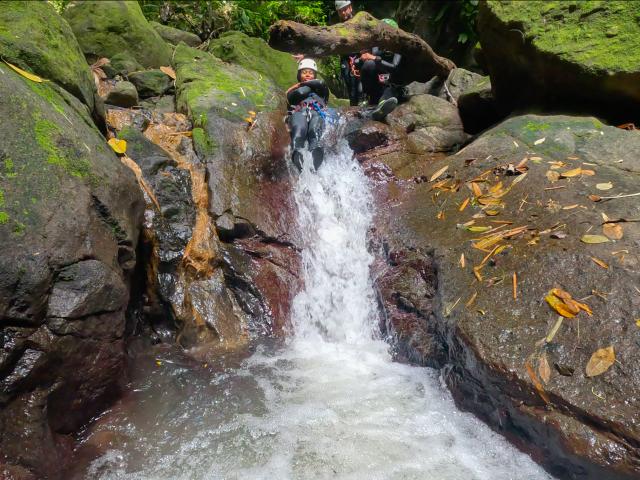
(477, 191)
(30, 76)
(594, 239)
(571, 173)
(589, 173)
(118, 146)
(491, 213)
(438, 173)
(462, 261)
(638, 322)
(613, 231)
(559, 306)
(552, 333)
(543, 368)
(604, 186)
(464, 204)
(599, 262)
(478, 229)
(600, 361)
(440, 215)
(169, 72)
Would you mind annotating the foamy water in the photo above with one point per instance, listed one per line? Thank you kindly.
(327, 404)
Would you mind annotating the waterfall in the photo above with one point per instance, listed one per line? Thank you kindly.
(328, 404)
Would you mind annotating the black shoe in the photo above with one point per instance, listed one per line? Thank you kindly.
(318, 157)
(384, 108)
(296, 158)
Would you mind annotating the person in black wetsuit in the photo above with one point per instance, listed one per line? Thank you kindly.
(377, 76)
(348, 71)
(307, 102)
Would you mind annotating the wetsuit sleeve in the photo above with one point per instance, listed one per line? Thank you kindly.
(294, 97)
(392, 65)
(319, 88)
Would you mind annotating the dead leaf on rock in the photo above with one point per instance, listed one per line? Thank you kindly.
(604, 186)
(564, 304)
(438, 173)
(552, 176)
(558, 235)
(25, 74)
(599, 262)
(595, 198)
(544, 370)
(594, 238)
(118, 146)
(169, 72)
(536, 382)
(462, 261)
(600, 361)
(539, 141)
(613, 231)
(464, 204)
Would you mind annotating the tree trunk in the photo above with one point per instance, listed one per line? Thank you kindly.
(419, 61)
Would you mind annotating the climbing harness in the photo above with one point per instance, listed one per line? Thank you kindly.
(352, 66)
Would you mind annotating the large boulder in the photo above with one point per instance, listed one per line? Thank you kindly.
(255, 54)
(174, 35)
(70, 214)
(564, 56)
(35, 38)
(432, 124)
(107, 28)
(241, 138)
(467, 255)
(151, 83)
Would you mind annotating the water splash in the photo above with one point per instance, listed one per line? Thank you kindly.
(330, 403)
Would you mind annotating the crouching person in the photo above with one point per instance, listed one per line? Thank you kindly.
(307, 102)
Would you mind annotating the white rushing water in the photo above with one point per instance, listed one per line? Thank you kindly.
(330, 403)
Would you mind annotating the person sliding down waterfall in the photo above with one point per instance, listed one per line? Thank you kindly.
(307, 102)
(377, 70)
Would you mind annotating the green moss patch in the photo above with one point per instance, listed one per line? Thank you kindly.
(600, 35)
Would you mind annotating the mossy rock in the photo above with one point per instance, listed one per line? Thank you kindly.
(174, 35)
(574, 56)
(151, 83)
(124, 94)
(121, 64)
(35, 38)
(107, 28)
(50, 151)
(254, 54)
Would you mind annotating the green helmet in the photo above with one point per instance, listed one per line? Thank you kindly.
(390, 21)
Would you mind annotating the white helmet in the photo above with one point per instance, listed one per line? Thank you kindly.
(340, 4)
(308, 63)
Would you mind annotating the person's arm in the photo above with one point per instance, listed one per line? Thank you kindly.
(392, 65)
(319, 87)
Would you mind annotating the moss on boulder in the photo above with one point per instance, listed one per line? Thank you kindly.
(575, 56)
(174, 35)
(207, 87)
(67, 204)
(35, 38)
(254, 54)
(108, 28)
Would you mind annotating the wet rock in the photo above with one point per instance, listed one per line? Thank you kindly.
(35, 38)
(432, 124)
(68, 208)
(541, 56)
(367, 136)
(151, 83)
(108, 28)
(124, 94)
(164, 104)
(86, 288)
(174, 35)
(121, 64)
(478, 108)
(474, 328)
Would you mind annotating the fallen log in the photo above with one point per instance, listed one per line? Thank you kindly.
(363, 31)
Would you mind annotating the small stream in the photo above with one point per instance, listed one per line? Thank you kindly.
(326, 403)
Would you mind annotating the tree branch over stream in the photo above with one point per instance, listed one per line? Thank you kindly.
(363, 31)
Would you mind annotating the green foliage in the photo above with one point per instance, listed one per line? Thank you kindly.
(209, 18)
(462, 12)
(59, 5)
